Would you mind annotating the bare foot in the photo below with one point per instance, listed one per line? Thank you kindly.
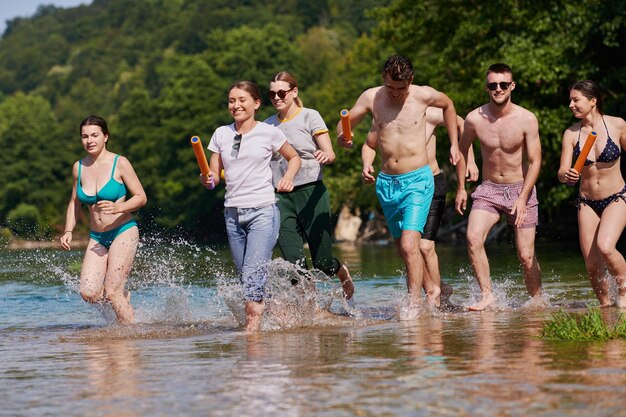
(346, 282)
(254, 314)
(432, 297)
(485, 302)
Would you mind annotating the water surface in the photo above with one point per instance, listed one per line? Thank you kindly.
(189, 356)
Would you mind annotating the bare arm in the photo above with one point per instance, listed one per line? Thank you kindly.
(285, 184)
(71, 213)
(213, 177)
(138, 197)
(361, 108)
(325, 154)
(469, 134)
(566, 173)
(442, 101)
(622, 133)
(368, 155)
(533, 153)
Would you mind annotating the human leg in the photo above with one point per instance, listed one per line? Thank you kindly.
(261, 226)
(588, 223)
(121, 256)
(525, 243)
(290, 240)
(236, 236)
(479, 224)
(313, 207)
(408, 246)
(432, 277)
(612, 224)
(93, 272)
(431, 280)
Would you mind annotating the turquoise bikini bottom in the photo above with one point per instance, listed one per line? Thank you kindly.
(107, 238)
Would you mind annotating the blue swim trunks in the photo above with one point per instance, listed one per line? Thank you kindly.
(106, 238)
(405, 199)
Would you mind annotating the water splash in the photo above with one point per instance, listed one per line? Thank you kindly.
(296, 298)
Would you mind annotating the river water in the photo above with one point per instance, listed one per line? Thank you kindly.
(188, 356)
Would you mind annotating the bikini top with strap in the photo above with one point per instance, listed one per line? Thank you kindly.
(112, 190)
(610, 153)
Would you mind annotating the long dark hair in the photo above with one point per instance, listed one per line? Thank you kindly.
(94, 120)
(590, 90)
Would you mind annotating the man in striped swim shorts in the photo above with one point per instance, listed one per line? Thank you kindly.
(507, 133)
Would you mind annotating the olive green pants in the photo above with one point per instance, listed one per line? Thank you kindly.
(305, 216)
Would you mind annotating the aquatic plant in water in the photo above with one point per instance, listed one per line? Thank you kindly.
(589, 326)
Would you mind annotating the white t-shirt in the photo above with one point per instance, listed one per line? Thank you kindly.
(300, 130)
(247, 170)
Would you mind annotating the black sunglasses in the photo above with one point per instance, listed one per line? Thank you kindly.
(237, 143)
(280, 93)
(504, 85)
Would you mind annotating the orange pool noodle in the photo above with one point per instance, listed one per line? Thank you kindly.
(345, 125)
(200, 156)
(580, 162)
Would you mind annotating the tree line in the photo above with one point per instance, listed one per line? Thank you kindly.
(158, 71)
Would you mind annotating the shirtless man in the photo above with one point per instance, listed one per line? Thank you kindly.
(432, 278)
(405, 186)
(506, 132)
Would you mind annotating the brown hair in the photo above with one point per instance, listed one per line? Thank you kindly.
(94, 120)
(500, 68)
(250, 88)
(399, 68)
(590, 90)
(289, 79)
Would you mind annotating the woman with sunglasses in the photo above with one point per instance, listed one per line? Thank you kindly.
(243, 149)
(305, 211)
(114, 235)
(601, 199)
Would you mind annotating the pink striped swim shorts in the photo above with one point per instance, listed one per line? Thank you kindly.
(499, 198)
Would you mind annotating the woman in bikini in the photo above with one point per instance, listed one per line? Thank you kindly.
(601, 200)
(108, 185)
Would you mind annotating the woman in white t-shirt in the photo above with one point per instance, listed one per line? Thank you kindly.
(243, 150)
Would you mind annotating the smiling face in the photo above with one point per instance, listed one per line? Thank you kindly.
(397, 89)
(500, 96)
(94, 141)
(279, 88)
(580, 105)
(242, 105)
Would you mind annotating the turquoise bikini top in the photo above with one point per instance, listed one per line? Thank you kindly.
(112, 190)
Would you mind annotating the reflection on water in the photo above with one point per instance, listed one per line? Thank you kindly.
(188, 355)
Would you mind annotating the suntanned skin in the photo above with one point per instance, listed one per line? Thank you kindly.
(598, 235)
(507, 133)
(105, 271)
(432, 277)
(399, 117)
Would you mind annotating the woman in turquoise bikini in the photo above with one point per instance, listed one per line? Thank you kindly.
(114, 235)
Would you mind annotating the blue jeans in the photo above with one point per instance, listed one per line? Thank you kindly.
(252, 234)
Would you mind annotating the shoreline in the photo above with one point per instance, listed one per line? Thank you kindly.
(43, 244)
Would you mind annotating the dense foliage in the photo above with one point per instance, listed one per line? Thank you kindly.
(158, 71)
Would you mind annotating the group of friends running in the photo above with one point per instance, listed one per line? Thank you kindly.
(275, 192)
